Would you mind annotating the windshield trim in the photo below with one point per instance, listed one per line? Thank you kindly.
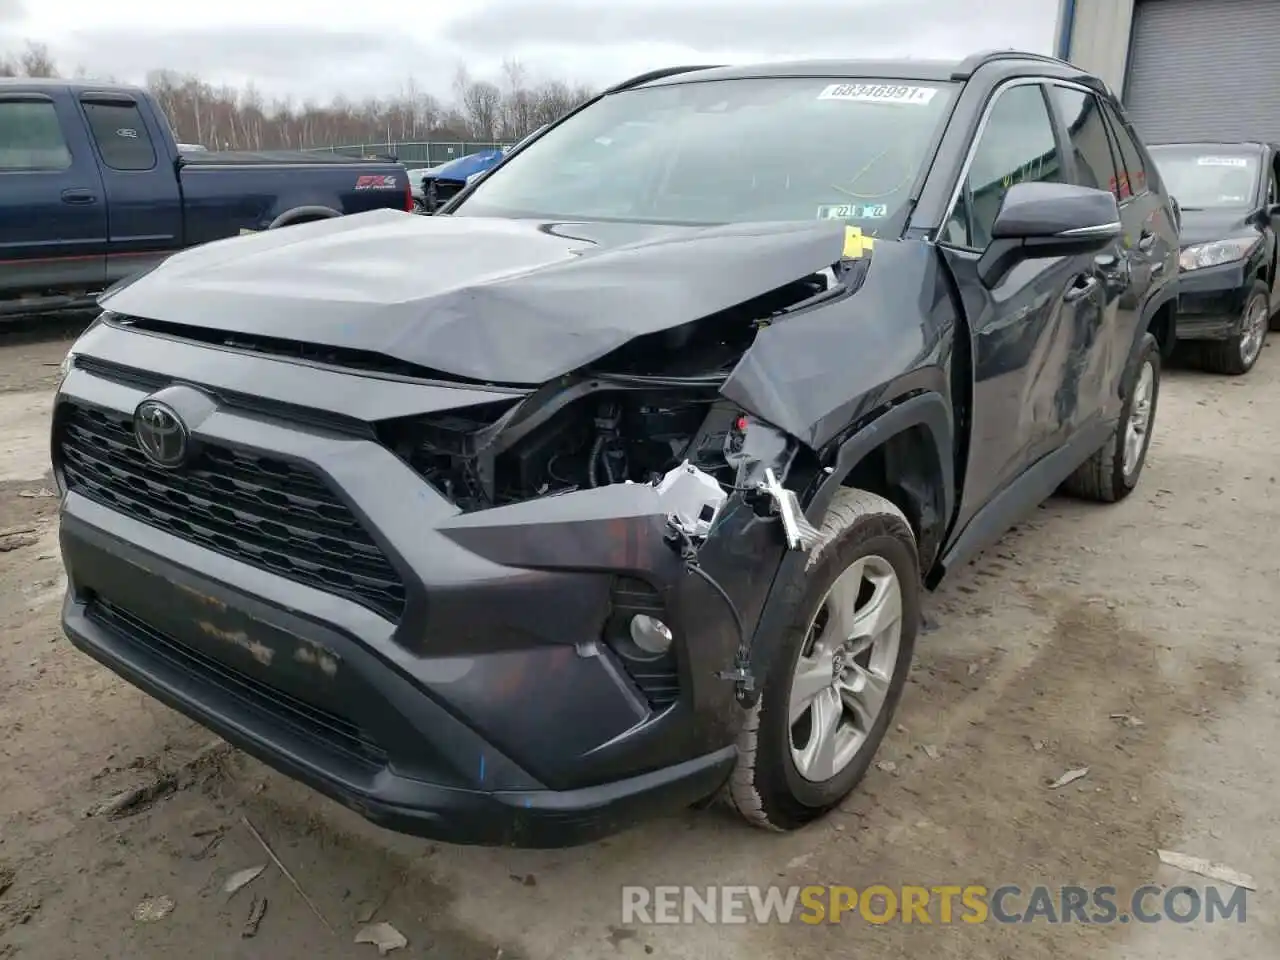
(894, 227)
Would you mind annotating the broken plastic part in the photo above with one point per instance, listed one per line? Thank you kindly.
(800, 533)
(691, 498)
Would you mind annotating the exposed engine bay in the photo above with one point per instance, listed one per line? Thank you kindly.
(648, 413)
(597, 436)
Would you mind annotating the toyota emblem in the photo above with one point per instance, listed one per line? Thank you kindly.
(161, 434)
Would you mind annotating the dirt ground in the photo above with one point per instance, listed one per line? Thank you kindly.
(1161, 609)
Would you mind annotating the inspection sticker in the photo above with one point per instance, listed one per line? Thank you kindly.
(879, 93)
(1223, 162)
(853, 211)
(855, 244)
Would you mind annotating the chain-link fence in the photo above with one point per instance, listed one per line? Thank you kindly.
(417, 153)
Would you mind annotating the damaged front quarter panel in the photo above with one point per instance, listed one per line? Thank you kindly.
(822, 369)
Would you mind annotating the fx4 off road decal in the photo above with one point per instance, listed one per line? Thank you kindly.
(377, 182)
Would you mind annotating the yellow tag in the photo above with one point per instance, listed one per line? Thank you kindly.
(855, 244)
(245, 231)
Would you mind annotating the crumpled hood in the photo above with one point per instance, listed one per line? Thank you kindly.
(498, 301)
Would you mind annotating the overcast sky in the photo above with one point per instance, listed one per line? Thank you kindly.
(318, 48)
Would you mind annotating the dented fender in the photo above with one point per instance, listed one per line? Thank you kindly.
(816, 372)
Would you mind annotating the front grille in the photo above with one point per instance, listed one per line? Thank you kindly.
(268, 513)
(313, 722)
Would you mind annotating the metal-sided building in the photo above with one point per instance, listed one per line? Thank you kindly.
(1185, 69)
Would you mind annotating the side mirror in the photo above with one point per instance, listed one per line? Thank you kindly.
(1048, 220)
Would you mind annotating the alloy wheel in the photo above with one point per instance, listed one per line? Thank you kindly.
(842, 677)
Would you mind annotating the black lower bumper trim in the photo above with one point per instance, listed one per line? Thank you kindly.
(532, 819)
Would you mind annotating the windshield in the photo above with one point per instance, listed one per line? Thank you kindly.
(728, 151)
(1206, 177)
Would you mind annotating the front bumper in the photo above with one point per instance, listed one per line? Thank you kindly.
(1211, 301)
(491, 710)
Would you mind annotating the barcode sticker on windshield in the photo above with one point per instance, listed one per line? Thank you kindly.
(853, 211)
(879, 93)
(1223, 162)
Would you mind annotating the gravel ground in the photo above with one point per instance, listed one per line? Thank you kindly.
(1160, 609)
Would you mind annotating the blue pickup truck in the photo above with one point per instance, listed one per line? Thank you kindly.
(93, 188)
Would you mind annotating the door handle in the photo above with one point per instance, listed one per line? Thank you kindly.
(1146, 241)
(1081, 287)
(78, 196)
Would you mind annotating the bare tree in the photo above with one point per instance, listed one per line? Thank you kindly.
(35, 61)
(243, 119)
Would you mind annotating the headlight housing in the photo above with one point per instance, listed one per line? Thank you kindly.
(1216, 252)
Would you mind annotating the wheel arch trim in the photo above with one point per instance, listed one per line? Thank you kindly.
(928, 410)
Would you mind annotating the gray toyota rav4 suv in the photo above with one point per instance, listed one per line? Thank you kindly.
(614, 486)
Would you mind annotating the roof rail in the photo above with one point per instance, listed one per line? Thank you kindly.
(970, 64)
(658, 75)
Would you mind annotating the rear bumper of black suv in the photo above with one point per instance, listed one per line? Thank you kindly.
(476, 700)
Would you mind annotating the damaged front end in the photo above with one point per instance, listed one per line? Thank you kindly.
(649, 411)
(643, 450)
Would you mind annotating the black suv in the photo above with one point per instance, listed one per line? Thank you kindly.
(616, 486)
(1229, 198)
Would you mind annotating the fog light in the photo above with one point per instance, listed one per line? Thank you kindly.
(650, 634)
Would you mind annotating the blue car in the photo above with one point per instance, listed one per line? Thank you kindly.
(432, 186)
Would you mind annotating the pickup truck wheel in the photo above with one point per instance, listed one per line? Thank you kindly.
(1237, 355)
(833, 687)
(1112, 473)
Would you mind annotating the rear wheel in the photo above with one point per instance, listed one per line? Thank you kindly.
(838, 676)
(1237, 355)
(1111, 474)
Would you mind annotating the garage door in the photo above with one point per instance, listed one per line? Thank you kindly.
(1205, 70)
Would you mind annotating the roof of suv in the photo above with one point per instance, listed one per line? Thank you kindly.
(935, 70)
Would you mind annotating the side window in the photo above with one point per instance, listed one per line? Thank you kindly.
(1087, 134)
(31, 137)
(1133, 178)
(1017, 146)
(121, 135)
(1273, 190)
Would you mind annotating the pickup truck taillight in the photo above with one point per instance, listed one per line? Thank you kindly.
(408, 198)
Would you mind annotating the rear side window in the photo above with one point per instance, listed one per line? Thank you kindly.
(1017, 146)
(1087, 134)
(31, 137)
(121, 135)
(1133, 178)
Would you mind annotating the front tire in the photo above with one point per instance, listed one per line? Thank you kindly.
(838, 675)
(1112, 473)
(1237, 355)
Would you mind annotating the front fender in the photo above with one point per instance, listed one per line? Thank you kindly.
(928, 410)
(815, 372)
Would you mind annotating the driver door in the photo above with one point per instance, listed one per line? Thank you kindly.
(1024, 330)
